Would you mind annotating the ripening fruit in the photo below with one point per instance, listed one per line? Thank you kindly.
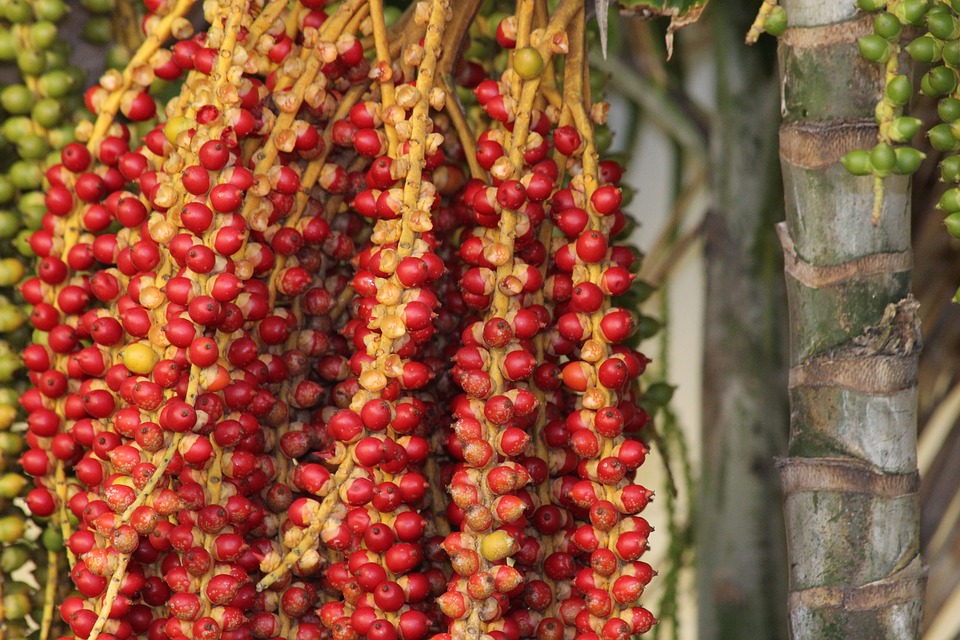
(139, 358)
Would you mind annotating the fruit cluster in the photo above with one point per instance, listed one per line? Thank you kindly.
(349, 266)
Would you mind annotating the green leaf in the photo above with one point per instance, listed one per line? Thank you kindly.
(680, 12)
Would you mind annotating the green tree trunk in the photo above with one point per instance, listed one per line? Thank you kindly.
(851, 507)
(741, 555)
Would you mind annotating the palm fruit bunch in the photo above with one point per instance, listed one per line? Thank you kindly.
(40, 106)
(934, 27)
(325, 345)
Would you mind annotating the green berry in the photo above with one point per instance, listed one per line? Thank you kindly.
(908, 160)
(939, 81)
(943, 26)
(17, 11)
(952, 223)
(26, 176)
(16, 606)
(32, 207)
(32, 147)
(886, 25)
(875, 48)
(951, 53)
(22, 244)
(61, 137)
(52, 10)
(7, 191)
(899, 90)
(13, 557)
(602, 138)
(950, 169)
(904, 128)
(912, 11)
(871, 5)
(16, 99)
(52, 539)
(55, 84)
(528, 63)
(11, 317)
(857, 162)
(883, 159)
(941, 138)
(47, 112)
(11, 484)
(9, 224)
(11, 528)
(924, 49)
(118, 57)
(776, 22)
(949, 109)
(950, 201)
(32, 63)
(8, 45)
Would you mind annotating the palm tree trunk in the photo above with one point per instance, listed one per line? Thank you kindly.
(850, 483)
(741, 555)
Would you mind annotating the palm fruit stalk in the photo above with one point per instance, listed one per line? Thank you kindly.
(373, 515)
(40, 104)
(246, 327)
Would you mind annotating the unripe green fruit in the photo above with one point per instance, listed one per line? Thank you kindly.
(924, 49)
(950, 200)
(912, 11)
(956, 5)
(118, 57)
(951, 53)
(7, 191)
(55, 84)
(32, 63)
(942, 25)
(883, 159)
(875, 48)
(776, 22)
(886, 25)
(908, 160)
(22, 245)
(9, 365)
(941, 138)
(11, 445)
(52, 539)
(16, 606)
(26, 176)
(602, 138)
(952, 223)
(43, 35)
(528, 63)
(11, 484)
(12, 527)
(47, 112)
(9, 396)
(13, 557)
(11, 318)
(16, 99)
(9, 224)
(16, 10)
(52, 10)
(857, 162)
(899, 90)
(950, 169)
(8, 45)
(939, 81)
(16, 127)
(32, 147)
(871, 5)
(949, 109)
(904, 128)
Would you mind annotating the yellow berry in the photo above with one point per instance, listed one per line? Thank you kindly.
(497, 546)
(139, 358)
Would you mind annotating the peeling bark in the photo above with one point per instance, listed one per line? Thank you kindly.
(851, 506)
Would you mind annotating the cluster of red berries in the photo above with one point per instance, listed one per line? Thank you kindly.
(281, 323)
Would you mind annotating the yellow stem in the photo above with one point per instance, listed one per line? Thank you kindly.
(382, 45)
